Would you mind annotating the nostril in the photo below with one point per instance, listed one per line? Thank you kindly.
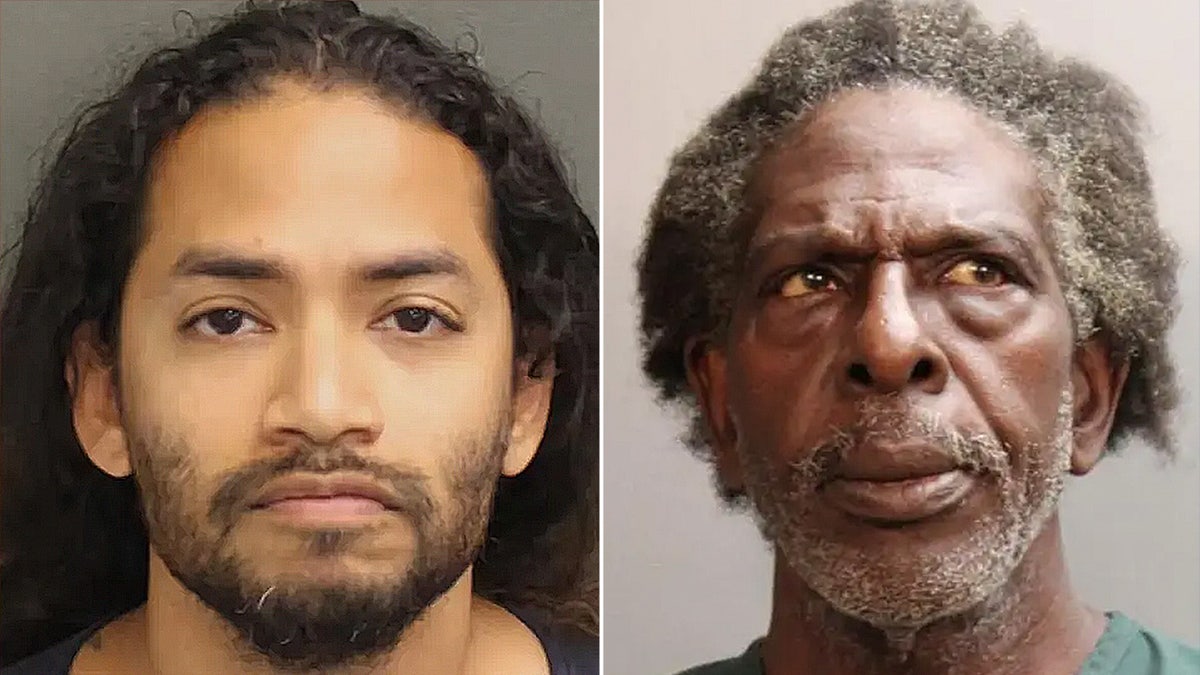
(860, 374)
(922, 370)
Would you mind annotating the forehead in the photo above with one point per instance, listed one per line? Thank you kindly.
(899, 147)
(315, 176)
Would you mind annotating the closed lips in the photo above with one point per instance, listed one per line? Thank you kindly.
(899, 501)
(891, 462)
(323, 487)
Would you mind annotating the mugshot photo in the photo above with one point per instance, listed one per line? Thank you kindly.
(300, 354)
(568, 337)
(911, 382)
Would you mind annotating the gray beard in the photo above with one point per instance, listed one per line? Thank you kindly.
(900, 594)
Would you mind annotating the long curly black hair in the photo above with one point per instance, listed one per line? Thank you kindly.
(72, 543)
(1117, 265)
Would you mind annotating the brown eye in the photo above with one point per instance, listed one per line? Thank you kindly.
(976, 273)
(806, 281)
(417, 321)
(225, 323)
(413, 319)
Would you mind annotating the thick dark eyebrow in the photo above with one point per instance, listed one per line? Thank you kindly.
(226, 264)
(407, 266)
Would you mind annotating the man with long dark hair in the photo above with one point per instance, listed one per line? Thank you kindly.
(300, 369)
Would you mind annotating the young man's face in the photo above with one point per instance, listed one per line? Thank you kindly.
(318, 298)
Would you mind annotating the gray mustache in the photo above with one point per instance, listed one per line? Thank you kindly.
(889, 421)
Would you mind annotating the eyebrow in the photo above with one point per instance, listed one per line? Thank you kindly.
(838, 243)
(221, 263)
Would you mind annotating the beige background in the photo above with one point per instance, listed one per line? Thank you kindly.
(685, 582)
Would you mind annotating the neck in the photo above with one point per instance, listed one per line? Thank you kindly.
(184, 636)
(1033, 624)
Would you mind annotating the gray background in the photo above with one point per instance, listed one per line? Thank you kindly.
(685, 582)
(58, 56)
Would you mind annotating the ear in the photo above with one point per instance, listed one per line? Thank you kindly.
(94, 408)
(1097, 379)
(531, 410)
(706, 368)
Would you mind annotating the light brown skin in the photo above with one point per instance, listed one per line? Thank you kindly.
(897, 309)
(321, 183)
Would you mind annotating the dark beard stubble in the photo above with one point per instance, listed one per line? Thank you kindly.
(302, 628)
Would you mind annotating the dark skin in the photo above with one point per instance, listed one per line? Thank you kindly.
(898, 253)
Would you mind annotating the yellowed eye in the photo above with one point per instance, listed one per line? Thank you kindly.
(976, 273)
(805, 282)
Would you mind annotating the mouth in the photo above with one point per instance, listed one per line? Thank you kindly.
(324, 512)
(900, 501)
(332, 506)
(325, 501)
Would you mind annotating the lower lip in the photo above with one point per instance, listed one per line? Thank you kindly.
(341, 509)
(902, 501)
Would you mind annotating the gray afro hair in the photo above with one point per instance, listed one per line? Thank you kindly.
(1082, 126)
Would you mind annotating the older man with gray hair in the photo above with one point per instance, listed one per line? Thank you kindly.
(910, 277)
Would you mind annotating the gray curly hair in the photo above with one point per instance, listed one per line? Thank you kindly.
(1082, 126)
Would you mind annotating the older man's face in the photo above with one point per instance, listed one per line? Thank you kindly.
(898, 372)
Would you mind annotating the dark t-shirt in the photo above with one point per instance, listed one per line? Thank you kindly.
(569, 650)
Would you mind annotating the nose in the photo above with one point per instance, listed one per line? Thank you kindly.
(321, 394)
(891, 350)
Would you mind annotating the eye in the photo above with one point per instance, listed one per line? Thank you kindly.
(805, 281)
(416, 320)
(225, 322)
(977, 273)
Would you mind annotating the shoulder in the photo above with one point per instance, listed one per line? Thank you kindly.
(569, 650)
(1129, 648)
(103, 647)
(53, 661)
(748, 663)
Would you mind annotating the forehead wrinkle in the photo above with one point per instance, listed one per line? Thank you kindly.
(834, 221)
(879, 231)
(889, 231)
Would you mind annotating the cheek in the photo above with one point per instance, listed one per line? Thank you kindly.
(176, 476)
(1017, 378)
(780, 393)
(433, 405)
(442, 397)
(213, 407)
(207, 399)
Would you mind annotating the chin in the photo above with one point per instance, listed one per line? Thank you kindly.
(327, 572)
(356, 551)
(909, 586)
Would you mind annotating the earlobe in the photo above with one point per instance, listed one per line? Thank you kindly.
(1097, 380)
(707, 375)
(110, 452)
(94, 409)
(531, 411)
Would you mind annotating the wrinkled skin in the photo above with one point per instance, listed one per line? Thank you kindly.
(898, 312)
